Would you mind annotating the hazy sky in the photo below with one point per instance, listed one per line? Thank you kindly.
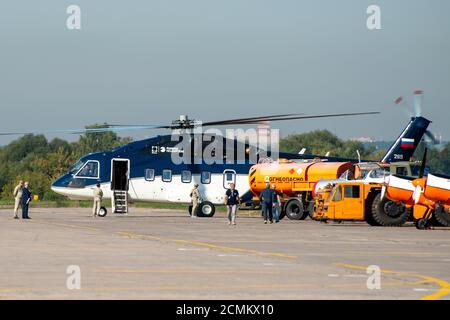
(147, 61)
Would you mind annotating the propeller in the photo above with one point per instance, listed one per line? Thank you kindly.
(417, 104)
(418, 99)
(417, 112)
(424, 162)
(418, 188)
(184, 123)
(416, 194)
(383, 188)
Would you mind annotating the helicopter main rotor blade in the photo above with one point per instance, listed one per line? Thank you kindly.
(262, 118)
(222, 122)
(237, 121)
(106, 128)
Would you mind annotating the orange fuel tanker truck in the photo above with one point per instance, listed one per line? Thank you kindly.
(295, 181)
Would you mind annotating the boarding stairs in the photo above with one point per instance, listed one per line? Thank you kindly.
(120, 201)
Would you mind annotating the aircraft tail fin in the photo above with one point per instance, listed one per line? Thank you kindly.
(405, 145)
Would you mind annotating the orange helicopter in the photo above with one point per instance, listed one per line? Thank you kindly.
(432, 192)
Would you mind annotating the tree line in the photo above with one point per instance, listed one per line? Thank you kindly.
(322, 141)
(35, 159)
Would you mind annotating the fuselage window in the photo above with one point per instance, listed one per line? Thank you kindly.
(228, 178)
(150, 174)
(186, 176)
(206, 177)
(167, 175)
(90, 170)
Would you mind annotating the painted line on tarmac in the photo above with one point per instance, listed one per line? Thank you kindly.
(394, 253)
(444, 286)
(175, 287)
(130, 235)
(176, 271)
(192, 249)
(206, 245)
(57, 224)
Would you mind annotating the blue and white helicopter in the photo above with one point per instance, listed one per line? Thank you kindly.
(145, 171)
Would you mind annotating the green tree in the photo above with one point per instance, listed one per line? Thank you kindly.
(98, 141)
(22, 147)
(34, 159)
(438, 158)
(320, 142)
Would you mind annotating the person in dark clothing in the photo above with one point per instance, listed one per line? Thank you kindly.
(26, 198)
(266, 199)
(276, 201)
(232, 202)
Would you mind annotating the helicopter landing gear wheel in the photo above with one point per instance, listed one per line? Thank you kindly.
(206, 209)
(102, 212)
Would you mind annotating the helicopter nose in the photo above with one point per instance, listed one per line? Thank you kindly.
(57, 186)
(61, 182)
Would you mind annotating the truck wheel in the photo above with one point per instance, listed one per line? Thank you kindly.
(294, 210)
(371, 221)
(421, 224)
(442, 216)
(206, 209)
(386, 212)
(368, 215)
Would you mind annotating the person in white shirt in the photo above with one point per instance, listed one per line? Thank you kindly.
(18, 192)
(98, 196)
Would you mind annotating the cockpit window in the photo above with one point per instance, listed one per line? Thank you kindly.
(378, 173)
(90, 170)
(362, 170)
(349, 174)
(76, 167)
(338, 194)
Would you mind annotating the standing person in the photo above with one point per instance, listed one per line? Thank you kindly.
(98, 196)
(18, 191)
(266, 203)
(276, 200)
(196, 199)
(232, 202)
(26, 198)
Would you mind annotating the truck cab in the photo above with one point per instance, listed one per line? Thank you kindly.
(358, 200)
(344, 201)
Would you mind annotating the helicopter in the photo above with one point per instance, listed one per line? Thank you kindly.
(145, 170)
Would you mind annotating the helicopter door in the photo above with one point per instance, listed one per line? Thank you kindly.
(229, 176)
(120, 174)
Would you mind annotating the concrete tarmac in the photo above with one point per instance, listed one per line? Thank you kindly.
(164, 254)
